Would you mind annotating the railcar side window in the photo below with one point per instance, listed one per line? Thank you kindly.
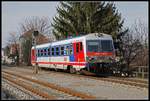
(52, 51)
(57, 48)
(48, 51)
(41, 54)
(67, 50)
(62, 50)
(71, 52)
(81, 46)
(44, 52)
(77, 48)
(38, 52)
(57, 51)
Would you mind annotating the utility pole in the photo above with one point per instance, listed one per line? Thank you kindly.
(34, 34)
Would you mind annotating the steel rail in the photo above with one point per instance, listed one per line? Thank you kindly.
(28, 87)
(53, 86)
(125, 81)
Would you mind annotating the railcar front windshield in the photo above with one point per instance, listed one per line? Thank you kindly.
(93, 46)
(106, 45)
(99, 46)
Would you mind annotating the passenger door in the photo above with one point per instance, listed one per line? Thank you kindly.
(33, 57)
(78, 52)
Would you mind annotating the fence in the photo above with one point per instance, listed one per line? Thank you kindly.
(141, 71)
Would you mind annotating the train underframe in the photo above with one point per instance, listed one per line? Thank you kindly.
(100, 68)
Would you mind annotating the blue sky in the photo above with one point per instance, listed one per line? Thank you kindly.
(14, 13)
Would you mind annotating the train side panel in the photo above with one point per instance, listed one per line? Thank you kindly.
(76, 59)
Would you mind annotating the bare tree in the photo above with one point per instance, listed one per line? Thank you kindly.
(131, 47)
(134, 44)
(6, 50)
(13, 38)
(13, 41)
(30, 24)
(141, 30)
(43, 25)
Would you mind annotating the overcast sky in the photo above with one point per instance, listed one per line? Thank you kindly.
(15, 12)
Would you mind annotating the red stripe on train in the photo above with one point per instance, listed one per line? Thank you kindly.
(99, 53)
(81, 64)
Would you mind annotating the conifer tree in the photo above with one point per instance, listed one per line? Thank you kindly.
(86, 17)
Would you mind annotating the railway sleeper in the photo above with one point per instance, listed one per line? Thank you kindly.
(66, 90)
(28, 87)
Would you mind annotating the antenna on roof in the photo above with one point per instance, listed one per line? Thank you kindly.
(99, 34)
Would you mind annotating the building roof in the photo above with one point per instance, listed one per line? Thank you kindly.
(40, 39)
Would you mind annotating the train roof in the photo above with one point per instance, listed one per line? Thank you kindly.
(68, 40)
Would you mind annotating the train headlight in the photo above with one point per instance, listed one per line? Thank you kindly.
(91, 58)
(88, 58)
(122, 74)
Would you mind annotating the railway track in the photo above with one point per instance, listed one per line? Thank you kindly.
(26, 83)
(13, 90)
(130, 80)
(27, 86)
(120, 80)
(126, 81)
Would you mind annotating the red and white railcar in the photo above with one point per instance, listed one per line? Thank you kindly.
(76, 53)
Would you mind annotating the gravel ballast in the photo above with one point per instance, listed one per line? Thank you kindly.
(98, 88)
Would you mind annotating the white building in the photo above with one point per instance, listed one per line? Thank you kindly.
(2, 53)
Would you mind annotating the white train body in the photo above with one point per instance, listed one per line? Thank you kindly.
(73, 52)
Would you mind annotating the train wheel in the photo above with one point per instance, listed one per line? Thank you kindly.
(72, 70)
(56, 69)
(78, 72)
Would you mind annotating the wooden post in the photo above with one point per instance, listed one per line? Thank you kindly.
(143, 73)
(36, 68)
(35, 33)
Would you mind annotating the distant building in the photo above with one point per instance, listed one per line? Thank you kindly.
(14, 48)
(2, 52)
(40, 39)
(5, 53)
(2, 56)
